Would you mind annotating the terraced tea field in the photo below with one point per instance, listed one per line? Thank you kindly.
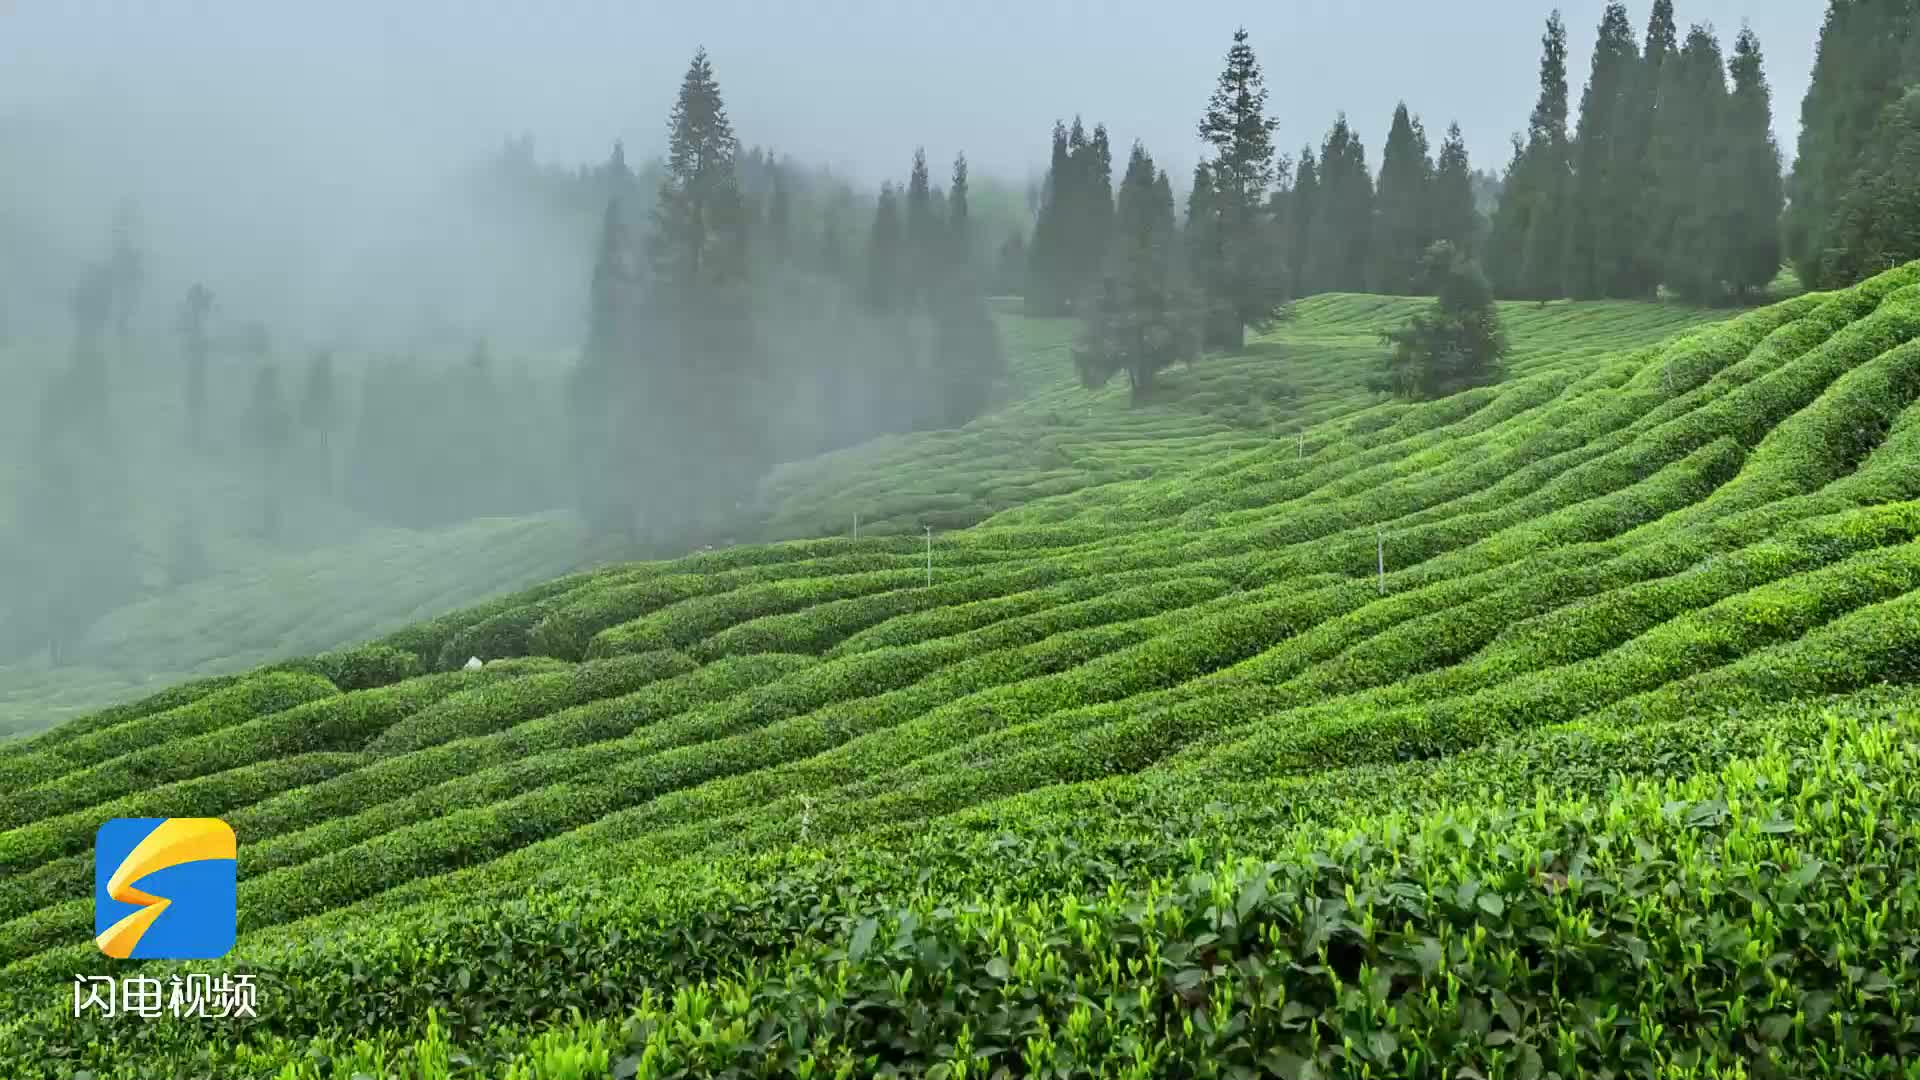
(1156, 772)
(290, 605)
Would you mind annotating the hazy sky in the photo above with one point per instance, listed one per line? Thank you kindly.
(399, 83)
(295, 155)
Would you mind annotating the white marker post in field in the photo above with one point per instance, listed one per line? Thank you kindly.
(929, 556)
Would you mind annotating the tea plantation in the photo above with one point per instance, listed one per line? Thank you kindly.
(1156, 772)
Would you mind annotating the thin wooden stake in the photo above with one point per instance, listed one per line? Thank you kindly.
(856, 524)
(929, 556)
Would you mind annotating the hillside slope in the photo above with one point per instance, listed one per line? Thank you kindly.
(1157, 776)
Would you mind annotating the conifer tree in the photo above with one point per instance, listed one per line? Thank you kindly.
(779, 218)
(604, 378)
(705, 385)
(925, 239)
(1204, 243)
(1693, 169)
(1401, 227)
(1752, 196)
(967, 351)
(1451, 215)
(128, 270)
(73, 503)
(1249, 288)
(1048, 291)
(1457, 343)
(1507, 229)
(1549, 171)
(1093, 174)
(1010, 274)
(1343, 220)
(833, 240)
(269, 428)
(1304, 203)
(1867, 56)
(1140, 321)
(1647, 236)
(1877, 224)
(320, 418)
(886, 251)
(1599, 247)
(194, 346)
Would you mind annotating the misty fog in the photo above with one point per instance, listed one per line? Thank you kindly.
(294, 298)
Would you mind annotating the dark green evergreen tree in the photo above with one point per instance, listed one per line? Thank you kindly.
(833, 241)
(1507, 226)
(1204, 244)
(1048, 271)
(1600, 244)
(320, 416)
(966, 353)
(599, 385)
(1877, 224)
(1549, 171)
(1010, 273)
(1647, 226)
(78, 548)
(195, 347)
(1343, 221)
(1093, 216)
(269, 431)
(1752, 195)
(1451, 214)
(697, 413)
(1454, 345)
(1141, 320)
(1249, 288)
(779, 218)
(1867, 56)
(1303, 204)
(128, 270)
(886, 256)
(1402, 229)
(926, 241)
(1694, 170)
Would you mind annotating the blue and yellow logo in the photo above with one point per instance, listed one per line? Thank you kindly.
(164, 888)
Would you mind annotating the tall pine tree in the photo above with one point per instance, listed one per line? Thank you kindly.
(1529, 229)
(1249, 285)
(1402, 229)
(1507, 227)
(600, 382)
(966, 353)
(1140, 321)
(1204, 244)
(1752, 195)
(1877, 224)
(1600, 244)
(269, 429)
(1343, 221)
(1694, 169)
(1049, 291)
(1550, 169)
(1647, 228)
(1303, 204)
(886, 255)
(1867, 56)
(1451, 214)
(195, 347)
(925, 237)
(695, 414)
